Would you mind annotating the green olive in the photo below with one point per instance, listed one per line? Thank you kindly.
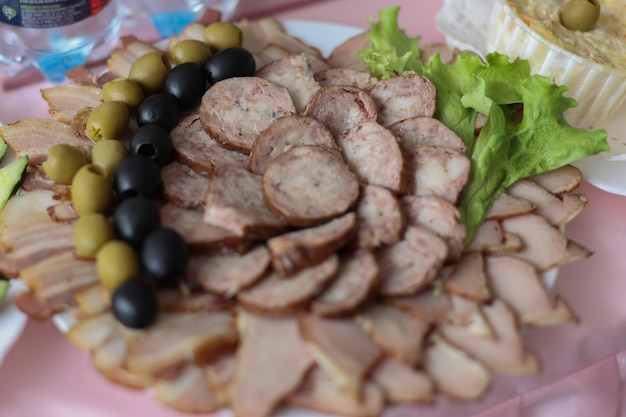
(92, 190)
(116, 263)
(63, 162)
(125, 90)
(108, 154)
(580, 14)
(191, 50)
(222, 35)
(108, 121)
(150, 71)
(91, 232)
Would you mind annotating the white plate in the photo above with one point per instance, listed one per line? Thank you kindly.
(456, 20)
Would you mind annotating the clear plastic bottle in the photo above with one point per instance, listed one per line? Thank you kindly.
(55, 35)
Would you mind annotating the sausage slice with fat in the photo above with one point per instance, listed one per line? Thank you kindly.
(380, 217)
(426, 131)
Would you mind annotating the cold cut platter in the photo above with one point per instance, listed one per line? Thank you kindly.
(326, 263)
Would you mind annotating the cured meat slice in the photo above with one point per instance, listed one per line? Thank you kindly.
(109, 359)
(438, 171)
(438, 216)
(256, 34)
(556, 210)
(411, 264)
(279, 296)
(402, 383)
(93, 331)
(178, 301)
(425, 131)
(228, 274)
(507, 205)
(294, 45)
(373, 154)
(399, 333)
(93, 299)
(273, 52)
(272, 361)
(235, 202)
(309, 184)
(296, 250)
(63, 212)
(490, 237)
(33, 137)
(380, 219)
(404, 96)
(345, 54)
(183, 186)
(446, 52)
(196, 149)
(342, 349)
(505, 353)
(346, 76)
(560, 180)
(468, 278)
(341, 108)
(188, 391)
(235, 111)
(453, 371)
(64, 101)
(201, 236)
(174, 337)
(121, 60)
(467, 313)
(428, 305)
(284, 134)
(517, 283)
(320, 392)
(221, 373)
(295, 74)
(355, 281)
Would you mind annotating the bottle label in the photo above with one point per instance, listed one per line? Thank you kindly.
(48, 13)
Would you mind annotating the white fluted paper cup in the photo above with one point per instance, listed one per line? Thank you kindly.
(599, 89)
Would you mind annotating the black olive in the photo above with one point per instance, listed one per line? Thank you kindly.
(164, 256)
(187, 82)
(134, 304)
(137, 175)
(135, 218)
(231, 62)
(154, 142)
(159, 109)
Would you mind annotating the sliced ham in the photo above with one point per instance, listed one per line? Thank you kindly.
(228, 274)
(295, 74)
(517, 283)
(422, 130)
(198, 150)
(276, 295)
(372, 152)
(235, 202)
(453, 371)
(379, 216)
(187, 392)
(468, 278)
(341, 108)
(235, 111)
(402, 383)
(308, 185)
(428, 305)
(272, 361)
(293, 251)
(411, 264)
(346, 76)
(355, 281)
(342, 349)
(183, 186)
(507, 205)
(65, 100)
(560, 180)
(490, 237)
(399, 333)
(345, 54)
(404, 96)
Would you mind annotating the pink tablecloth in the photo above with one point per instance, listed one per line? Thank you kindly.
(584, 364)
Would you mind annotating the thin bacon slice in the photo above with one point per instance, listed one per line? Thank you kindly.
(188, 391)
(121, 60)
(490, 237)
(65, 100)
(427, 305)
(468, 278)
(560, 180)
(401, 383)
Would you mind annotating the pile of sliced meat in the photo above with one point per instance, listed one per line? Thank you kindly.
(328, 266)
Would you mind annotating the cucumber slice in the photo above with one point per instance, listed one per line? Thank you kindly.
(3, 148)
(10, 178)
(4, 288)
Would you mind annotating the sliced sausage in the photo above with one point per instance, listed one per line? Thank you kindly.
(235, 111)
(280, 296)
(235, 202)
(309, 184)
(346, 76)
(425, 131)
(295, 74)
(404, 96)
(294, 251)
(183, 186)
(195, 148)
(341, 108)
(438, 171)
(373, 153)
(284, 134)
(380, 217)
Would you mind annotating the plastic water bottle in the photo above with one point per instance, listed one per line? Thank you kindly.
(55, 35)
(170, 17)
